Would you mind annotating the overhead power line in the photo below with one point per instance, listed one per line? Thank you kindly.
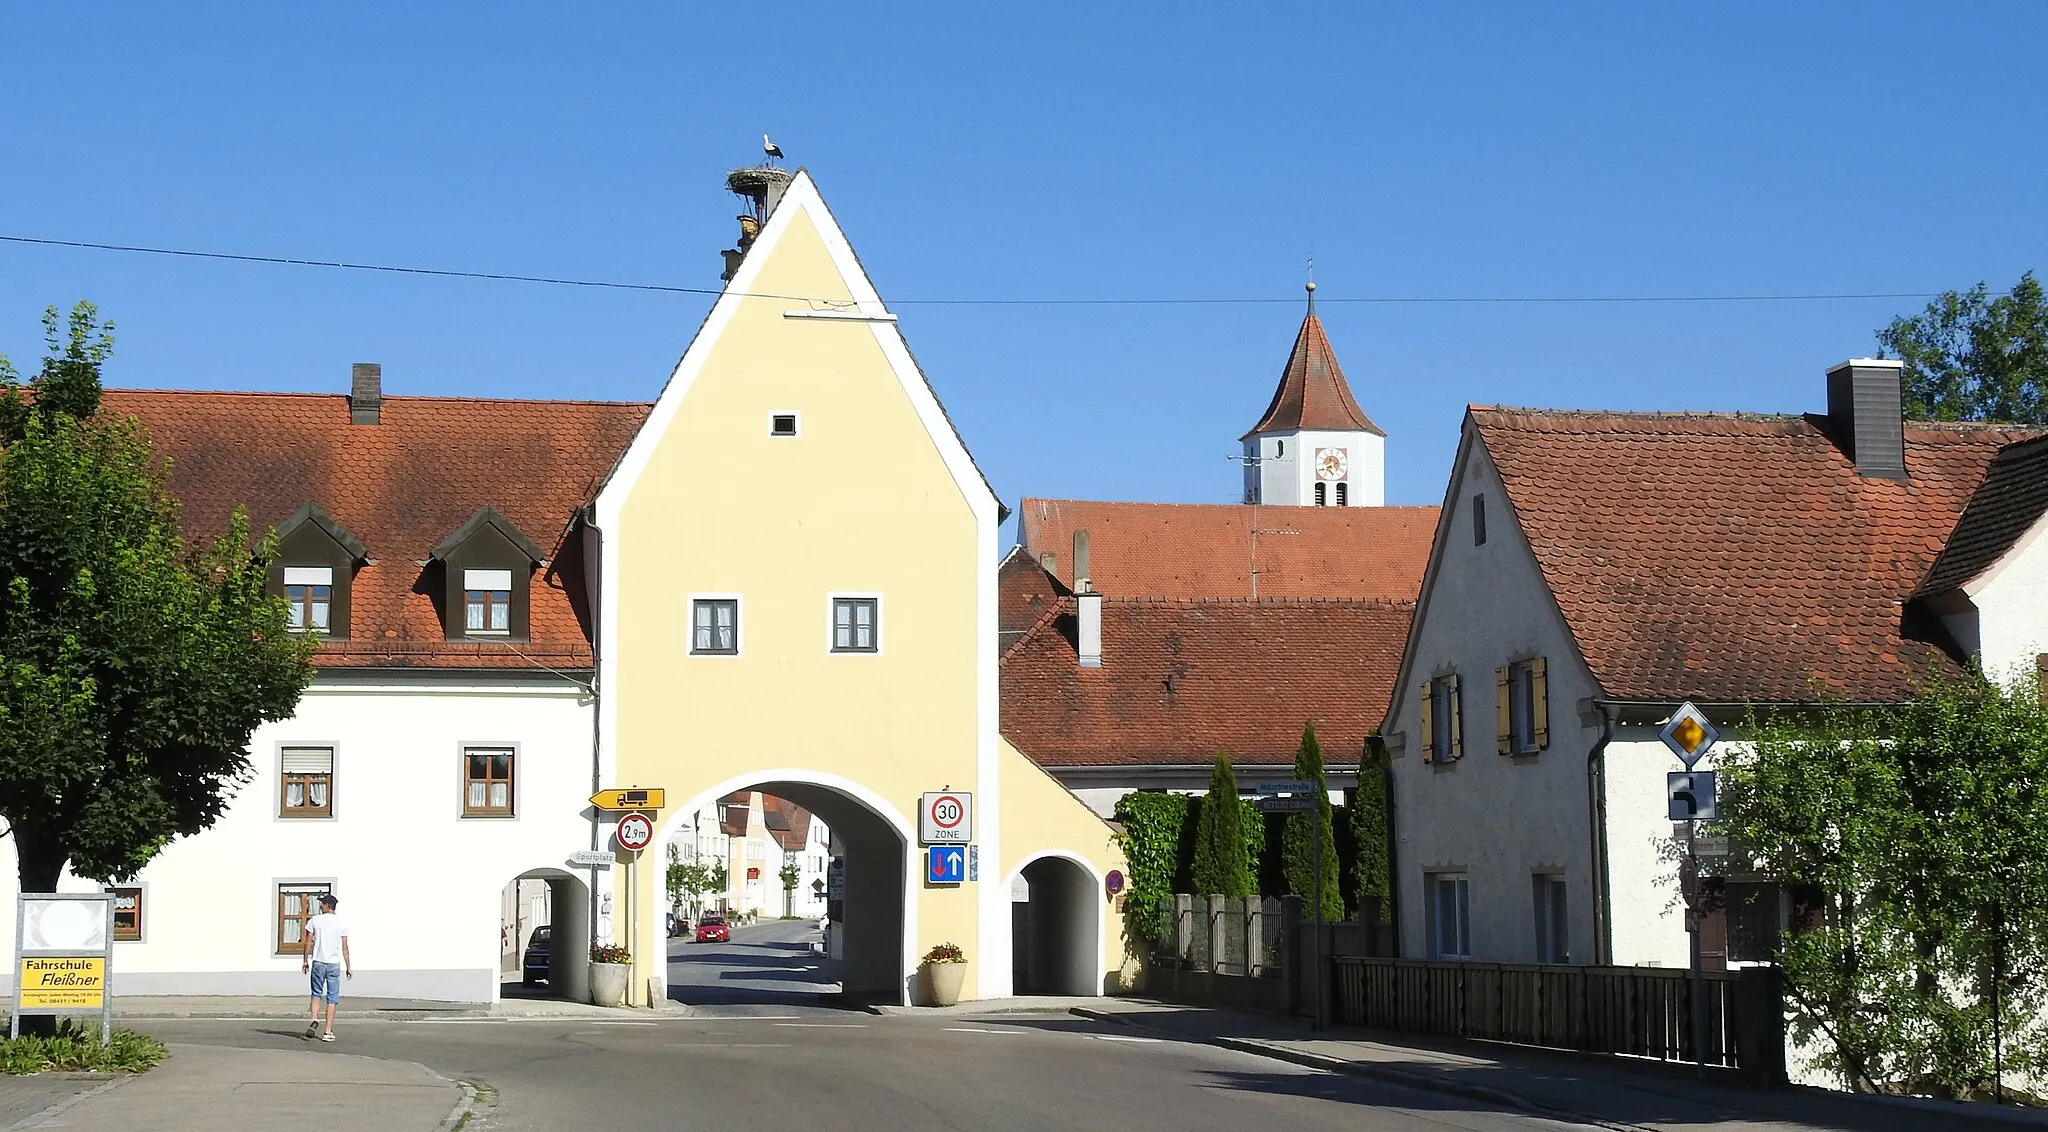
(618, 285)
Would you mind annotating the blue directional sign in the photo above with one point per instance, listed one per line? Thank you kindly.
(945, 864)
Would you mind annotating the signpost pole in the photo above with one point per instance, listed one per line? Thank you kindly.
(1693, 914)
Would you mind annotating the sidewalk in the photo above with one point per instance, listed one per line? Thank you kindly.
(1607, 1093)
(253, 1090)
(141, 1007)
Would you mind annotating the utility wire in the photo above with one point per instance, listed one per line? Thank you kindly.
(609, 284)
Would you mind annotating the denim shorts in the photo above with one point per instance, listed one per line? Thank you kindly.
(327, 982)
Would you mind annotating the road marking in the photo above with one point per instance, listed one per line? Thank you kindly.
(742, 1018)
(726, 1045)
(825, 1025)
(977, 1030)
(622, 1023)
(464, 1021)
(1118, 1038)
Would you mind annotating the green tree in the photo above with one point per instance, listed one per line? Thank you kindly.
(1921, 831)
(1300, 836)
(1973, 356)
(791, 872)
(1222, 864)
(1371, 831)
(132, 672)
(1148, 825)
(690, 880)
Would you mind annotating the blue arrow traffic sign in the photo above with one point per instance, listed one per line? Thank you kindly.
(945, 864)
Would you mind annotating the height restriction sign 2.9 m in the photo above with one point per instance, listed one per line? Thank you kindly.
(946, 817)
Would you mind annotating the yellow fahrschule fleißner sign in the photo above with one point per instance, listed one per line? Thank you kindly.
(51, 982)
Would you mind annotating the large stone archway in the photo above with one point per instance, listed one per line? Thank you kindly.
(877, 964)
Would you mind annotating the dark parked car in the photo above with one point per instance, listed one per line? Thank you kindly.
(711, 929)
(678, 926)
(535, 967)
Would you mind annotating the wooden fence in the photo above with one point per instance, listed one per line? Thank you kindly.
(1634, 1011)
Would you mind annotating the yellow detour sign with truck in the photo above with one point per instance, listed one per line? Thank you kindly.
(50, 982)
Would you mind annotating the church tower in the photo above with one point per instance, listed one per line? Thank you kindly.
(1314, 447)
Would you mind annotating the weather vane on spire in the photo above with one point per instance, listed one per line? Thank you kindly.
(1311, 284)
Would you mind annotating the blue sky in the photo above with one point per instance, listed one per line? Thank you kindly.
(1039, 152)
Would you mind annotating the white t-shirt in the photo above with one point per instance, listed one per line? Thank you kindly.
(326, 930)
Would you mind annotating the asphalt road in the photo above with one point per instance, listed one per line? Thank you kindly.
(855, 1071)
(768, 967)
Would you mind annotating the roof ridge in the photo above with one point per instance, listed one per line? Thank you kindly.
(2038, 431)
(1249, 508)
(1174, 599)
(388, 397)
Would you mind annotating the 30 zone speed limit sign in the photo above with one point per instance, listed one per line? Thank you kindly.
(946, 818)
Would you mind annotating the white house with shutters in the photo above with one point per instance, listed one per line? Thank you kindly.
(1591, 571)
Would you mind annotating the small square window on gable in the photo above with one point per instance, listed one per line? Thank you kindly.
(487, 568)
(315, 564)
(782, 424)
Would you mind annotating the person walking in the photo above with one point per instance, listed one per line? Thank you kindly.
(326, 959)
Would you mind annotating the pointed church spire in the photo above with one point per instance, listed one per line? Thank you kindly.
(1313, 393)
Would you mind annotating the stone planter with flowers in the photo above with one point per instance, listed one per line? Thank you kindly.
(945, 967)
(611, 968)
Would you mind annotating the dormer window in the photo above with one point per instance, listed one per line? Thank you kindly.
(487, 601)
(316, 561)
(486, 569)
(310, 590)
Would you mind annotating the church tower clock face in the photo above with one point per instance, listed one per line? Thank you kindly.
(1331, 463)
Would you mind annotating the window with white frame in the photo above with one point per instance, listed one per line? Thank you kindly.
(715, 626)
(310, 592)
(487, 782)
(1449, 916)
(854, 624)
(487, 602)
(305, 777)
(1552, 934)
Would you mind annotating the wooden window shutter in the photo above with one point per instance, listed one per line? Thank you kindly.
(1539, 702)
(1503, 702)
(1457, 717)
(1428, 719)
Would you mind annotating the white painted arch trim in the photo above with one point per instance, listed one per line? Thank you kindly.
(838, 783)
(1095, 876)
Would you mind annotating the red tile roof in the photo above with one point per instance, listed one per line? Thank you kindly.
(400, 486)
(1183, 679)
(1207, 550)
(2012, 498)
(1025, 592)
(788, 823)
(1733, 558)
(1313, 393)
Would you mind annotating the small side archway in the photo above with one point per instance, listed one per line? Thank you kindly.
(1056, 926)
(555, 902)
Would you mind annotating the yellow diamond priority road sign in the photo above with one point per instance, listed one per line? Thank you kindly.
(1688, 734)
(637, 798)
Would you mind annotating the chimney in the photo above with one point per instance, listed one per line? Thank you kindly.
(1866, 416)
(1081, 585)
(1088, 637)
(365, 393)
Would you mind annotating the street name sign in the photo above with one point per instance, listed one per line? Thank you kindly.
(636, 798)
(1688, 734)
(1291, 786)
(635, 832)
(1710, 847)
(946, 817)
(945, 864)
(592, 858)
(1291, 804)
(1689, 795)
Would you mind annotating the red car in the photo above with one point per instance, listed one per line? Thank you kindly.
(711, 929)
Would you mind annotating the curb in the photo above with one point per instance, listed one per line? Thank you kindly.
(1406, 1078)
(476, 1098)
